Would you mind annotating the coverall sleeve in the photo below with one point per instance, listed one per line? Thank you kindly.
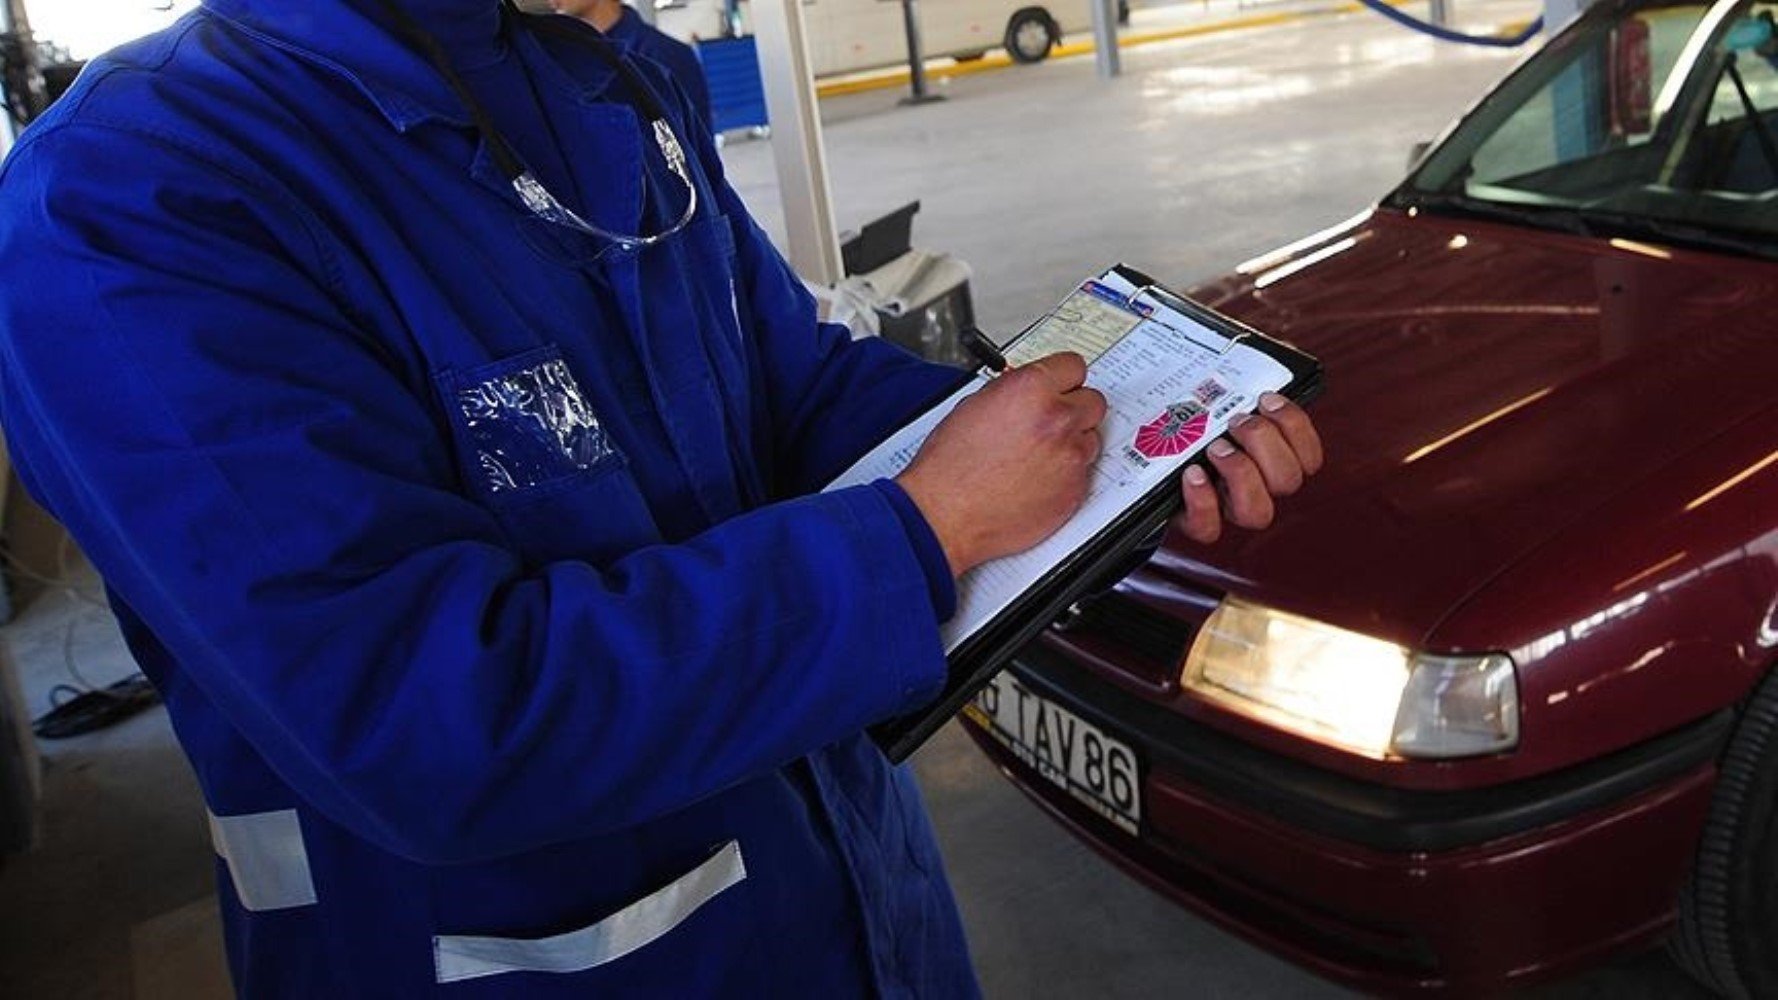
(832, 398)
(268, 489)
(816, 371)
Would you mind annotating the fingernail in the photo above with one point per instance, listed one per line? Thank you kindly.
(1221, 449)
(1271, 402)
(1241, 420)
(1196, 476)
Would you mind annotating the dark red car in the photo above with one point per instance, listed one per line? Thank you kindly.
(1492, 699)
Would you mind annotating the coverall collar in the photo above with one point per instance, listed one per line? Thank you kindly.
(623, 32)
(352, 39)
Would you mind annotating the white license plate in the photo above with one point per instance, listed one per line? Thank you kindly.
(1070, 752)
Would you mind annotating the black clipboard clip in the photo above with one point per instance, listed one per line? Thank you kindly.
(1183, 308)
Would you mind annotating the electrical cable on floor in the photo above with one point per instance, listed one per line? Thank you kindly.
(81, 707)
(87, 711)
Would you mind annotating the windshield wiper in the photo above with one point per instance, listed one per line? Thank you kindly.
(1600, 222)
(1562, 219)
(1590, 222)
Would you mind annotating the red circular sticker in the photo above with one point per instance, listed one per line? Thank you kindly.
(1173, 432)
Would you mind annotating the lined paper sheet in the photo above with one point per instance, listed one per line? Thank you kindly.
(1172, 386)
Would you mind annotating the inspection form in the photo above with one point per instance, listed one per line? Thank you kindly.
(1171, 385)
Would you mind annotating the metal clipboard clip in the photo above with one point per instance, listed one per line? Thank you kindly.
(1183, 308)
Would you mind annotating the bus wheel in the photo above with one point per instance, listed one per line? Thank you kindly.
(1030, 34)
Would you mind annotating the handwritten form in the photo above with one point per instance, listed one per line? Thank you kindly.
(1172, 386)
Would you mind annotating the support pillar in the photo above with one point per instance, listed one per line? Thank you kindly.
(1105, 53)
(814, 245)
(910, 21)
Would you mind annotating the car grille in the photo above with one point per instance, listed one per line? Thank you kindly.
(1129, 636)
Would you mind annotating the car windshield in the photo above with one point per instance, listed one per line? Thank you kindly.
(1647, 119)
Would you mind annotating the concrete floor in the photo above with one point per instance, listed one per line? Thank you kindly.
(115, 901)
(1206, 152)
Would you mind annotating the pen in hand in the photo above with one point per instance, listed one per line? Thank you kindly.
(983, 350)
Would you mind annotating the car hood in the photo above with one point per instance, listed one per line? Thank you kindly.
(1486, 386)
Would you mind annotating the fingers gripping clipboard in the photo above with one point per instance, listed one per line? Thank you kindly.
(1174, 373)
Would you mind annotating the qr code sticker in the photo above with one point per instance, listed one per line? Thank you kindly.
(1209, 392)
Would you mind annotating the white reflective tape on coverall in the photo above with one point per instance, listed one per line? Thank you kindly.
(266, 859)
(459, 958)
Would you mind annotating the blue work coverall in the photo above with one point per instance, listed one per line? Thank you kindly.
(483, 573)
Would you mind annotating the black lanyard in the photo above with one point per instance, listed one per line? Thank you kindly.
(531, 191)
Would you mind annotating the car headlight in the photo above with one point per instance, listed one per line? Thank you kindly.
(1353, 691)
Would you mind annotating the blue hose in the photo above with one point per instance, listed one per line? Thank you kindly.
(1446, 34)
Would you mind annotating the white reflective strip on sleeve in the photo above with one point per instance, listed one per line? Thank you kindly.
(459, 958)
(266, 859)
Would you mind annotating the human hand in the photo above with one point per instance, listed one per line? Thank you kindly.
(1279, 449)
(1011, 463)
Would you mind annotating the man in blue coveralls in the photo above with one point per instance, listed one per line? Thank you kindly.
(448, 436)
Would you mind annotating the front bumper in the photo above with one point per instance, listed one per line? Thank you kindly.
(1385, 889)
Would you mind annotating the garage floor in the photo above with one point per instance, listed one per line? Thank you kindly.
(1205, 152)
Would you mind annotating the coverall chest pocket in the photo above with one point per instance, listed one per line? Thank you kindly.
(532, 449)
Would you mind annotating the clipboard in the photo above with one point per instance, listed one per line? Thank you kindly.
(1108, 555)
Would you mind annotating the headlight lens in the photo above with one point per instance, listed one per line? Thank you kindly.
(1352, 691)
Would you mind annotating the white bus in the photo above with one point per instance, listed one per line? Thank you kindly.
(846, 36)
